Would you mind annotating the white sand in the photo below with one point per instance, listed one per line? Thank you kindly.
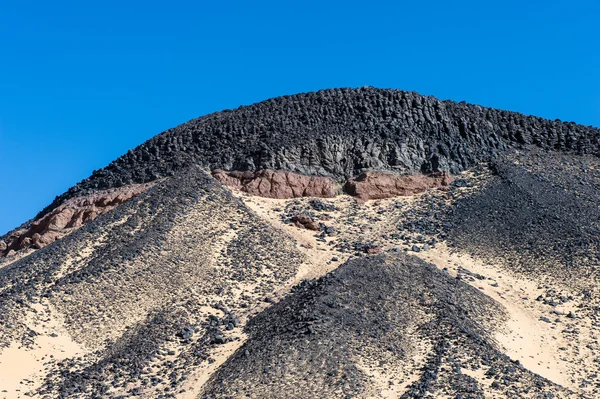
(22, 369)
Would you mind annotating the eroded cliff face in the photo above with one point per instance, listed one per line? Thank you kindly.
(367, 186)
(277, 184)
(378, 185)
(68, 217)
(340, 133)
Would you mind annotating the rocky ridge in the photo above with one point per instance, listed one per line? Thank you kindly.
(340, 133)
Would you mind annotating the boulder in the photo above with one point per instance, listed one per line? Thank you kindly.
(374, 250)
(303, 221)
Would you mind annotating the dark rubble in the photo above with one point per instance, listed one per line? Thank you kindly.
(150, 268)
(537, 213)
(386, 311)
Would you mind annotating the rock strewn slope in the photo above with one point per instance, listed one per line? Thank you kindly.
(538, 214)
(150, 275)
(142, 290)
(385, 326)
(552, 304)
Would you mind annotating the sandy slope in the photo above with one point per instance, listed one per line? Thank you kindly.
(537, 344)
(22, 369)
(203, 257)
(524, 337)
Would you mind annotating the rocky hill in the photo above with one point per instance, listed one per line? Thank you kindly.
(351, 243)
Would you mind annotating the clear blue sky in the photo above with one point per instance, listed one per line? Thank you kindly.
(82, 82)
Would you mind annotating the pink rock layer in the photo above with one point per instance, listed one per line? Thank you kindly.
(277, 184)
(68, 217)
(367, 186)
(379, 185)
(76, 212)
(304, 221)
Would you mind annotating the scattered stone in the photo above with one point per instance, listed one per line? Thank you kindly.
(321, 206)
(219, 339)
(186, 332)
(374, 250)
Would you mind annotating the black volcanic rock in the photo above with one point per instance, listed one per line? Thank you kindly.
(377, 313)
(340, 133)
(538, 214)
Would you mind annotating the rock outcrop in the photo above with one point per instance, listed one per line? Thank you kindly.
(67, 217)
(367, 186)
(277, 184)
(378, 185)
(340, 133)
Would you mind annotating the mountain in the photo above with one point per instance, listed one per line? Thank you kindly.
(351, 243)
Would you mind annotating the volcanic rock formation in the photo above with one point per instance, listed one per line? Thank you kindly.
(483, 284)
(340, 133)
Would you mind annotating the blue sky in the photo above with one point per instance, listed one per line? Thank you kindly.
(83, 82)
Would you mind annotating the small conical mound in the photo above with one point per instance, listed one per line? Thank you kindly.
(390, 326)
